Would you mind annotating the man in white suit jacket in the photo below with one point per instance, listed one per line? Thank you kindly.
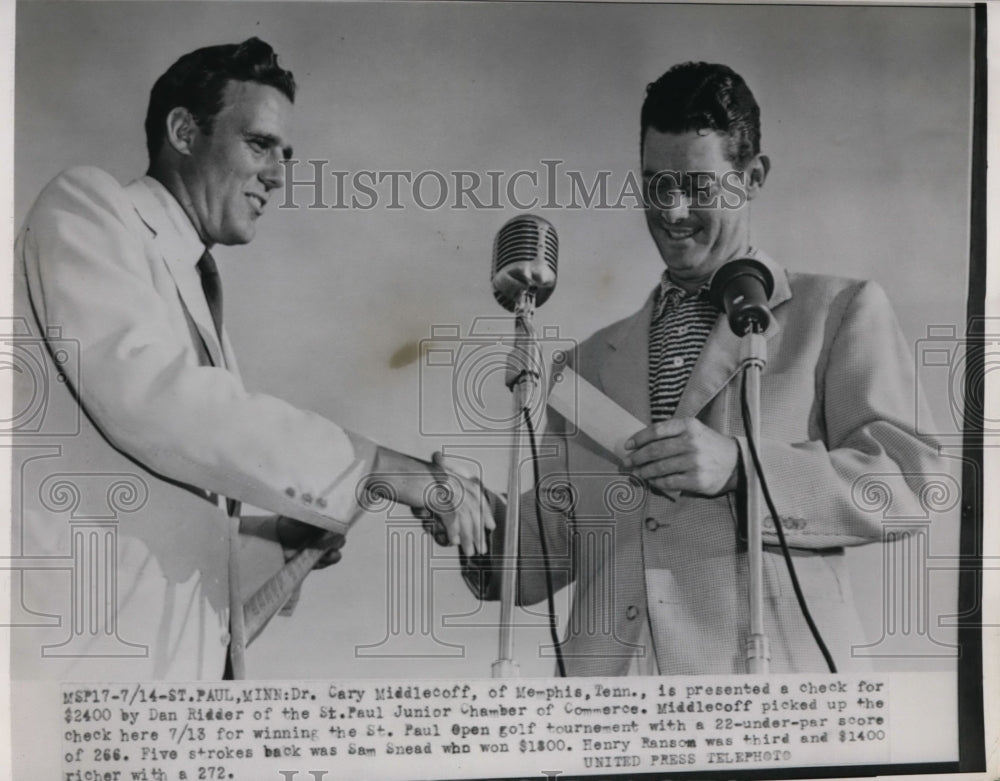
(137, 435)
(655, 544)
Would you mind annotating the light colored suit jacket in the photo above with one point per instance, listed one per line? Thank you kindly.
(127, 436)
(838, 411)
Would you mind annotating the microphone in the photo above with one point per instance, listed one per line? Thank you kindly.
(525, 256)
(741, 288)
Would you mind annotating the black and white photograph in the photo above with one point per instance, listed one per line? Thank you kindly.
(464, 390)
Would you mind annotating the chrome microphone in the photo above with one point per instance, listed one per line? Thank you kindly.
(525, 257)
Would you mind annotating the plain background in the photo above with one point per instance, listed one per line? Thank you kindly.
(866, 117)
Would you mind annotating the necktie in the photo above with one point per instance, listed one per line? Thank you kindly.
(211, 285)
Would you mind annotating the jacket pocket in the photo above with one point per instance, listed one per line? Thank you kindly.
(821, 573)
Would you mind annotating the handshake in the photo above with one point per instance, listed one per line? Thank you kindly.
(455, 507)
(459, 509)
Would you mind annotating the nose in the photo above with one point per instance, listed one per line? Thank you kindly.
(675, 206)
(273, 174)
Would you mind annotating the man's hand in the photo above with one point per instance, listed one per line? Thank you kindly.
(458, 511)
(683, 454)
(295, 535)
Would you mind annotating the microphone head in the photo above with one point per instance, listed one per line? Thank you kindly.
(525, 257)
(741, 289)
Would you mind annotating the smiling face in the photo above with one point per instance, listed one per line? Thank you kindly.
(697, 212)
(227, 174)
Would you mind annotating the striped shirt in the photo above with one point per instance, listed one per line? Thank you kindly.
(678, 330)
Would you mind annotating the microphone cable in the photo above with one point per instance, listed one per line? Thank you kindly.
(799, 596)
(549, 589)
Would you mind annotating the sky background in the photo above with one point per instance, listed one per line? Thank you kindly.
(866, 119)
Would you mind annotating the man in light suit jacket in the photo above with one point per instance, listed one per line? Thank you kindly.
(136, 435)
(655, 543)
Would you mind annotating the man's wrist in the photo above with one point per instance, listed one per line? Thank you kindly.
(293, 535)
(400, 478)
(738, 476)
(440, 499)
(441, 496)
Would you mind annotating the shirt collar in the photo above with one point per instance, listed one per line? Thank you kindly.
(183, 236)
(670, 292)
(664, 295)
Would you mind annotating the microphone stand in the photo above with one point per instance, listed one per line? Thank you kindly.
(753, 358)
(523, 377)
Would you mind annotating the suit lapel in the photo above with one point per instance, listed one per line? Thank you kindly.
(181, 269)
(189, 286)
(624, 369)
(716, 365)
(719, 361)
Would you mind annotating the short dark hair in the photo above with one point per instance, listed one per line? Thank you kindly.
(704, 96)
(198, 80)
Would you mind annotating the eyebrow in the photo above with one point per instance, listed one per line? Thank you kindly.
(688, 179)
(272, 142)
(674, 177)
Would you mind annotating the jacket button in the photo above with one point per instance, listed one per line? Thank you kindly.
(290, 492)
(321, 502)
(631, 612)
(307, 498)
(652, 524)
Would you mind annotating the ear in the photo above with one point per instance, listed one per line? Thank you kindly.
(182, 130)
(756, 173)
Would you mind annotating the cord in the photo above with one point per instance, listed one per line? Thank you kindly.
(745, 410)
(549, 590)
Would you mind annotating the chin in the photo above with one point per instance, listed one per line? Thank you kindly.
(686, 262)
(244, 236)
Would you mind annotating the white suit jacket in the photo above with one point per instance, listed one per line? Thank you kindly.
(127, 438)
(838, 411)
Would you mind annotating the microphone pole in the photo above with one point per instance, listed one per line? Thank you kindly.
(741, 288)
(523, 379)
(753, 358)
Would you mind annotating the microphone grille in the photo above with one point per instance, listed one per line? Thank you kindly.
(525, 241)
